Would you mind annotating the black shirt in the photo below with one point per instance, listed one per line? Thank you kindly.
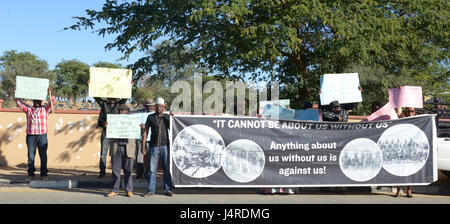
(159, 127)
(107, 108)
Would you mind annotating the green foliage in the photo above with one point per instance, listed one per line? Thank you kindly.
(293, 41)
(72, 81)
(13, 63)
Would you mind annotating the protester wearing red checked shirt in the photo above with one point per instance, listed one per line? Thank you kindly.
(36, 133)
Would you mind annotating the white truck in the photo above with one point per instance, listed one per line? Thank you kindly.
(443, 134)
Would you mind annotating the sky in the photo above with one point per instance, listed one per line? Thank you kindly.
(37, 27)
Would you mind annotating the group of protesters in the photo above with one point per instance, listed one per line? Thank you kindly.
(123, 152)
(142, 154)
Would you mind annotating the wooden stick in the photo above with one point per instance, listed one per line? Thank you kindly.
(53, 110)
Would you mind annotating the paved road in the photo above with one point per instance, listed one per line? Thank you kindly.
(25, 195)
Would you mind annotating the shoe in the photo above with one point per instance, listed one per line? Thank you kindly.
(44, 177)
(290, 191)
(111, 194)
(409, 196)
(101, 175)
(170, 194)
(148, 194)
(129, 194)
(273, 191)
(30, 176)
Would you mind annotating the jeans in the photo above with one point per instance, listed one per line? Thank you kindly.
(154, 154)
(105, 144)
(39, 141)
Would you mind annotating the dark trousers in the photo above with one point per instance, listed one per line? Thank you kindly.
(142, 163)
(121, 161)
(104, 144)
(41, 142)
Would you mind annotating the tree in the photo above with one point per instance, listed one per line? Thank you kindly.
(73, 76)
(291, 41)
(13, 63)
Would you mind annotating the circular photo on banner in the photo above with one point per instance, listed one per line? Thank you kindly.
(405, 149)
(361, 159)
(243, 160)
(197, 151)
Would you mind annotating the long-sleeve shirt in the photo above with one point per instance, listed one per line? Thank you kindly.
(36, 117)
(106, 108)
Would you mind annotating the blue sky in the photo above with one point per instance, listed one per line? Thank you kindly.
(37, 27)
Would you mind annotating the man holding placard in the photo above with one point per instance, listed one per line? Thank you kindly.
(37, 116)
(123, 153)
(111, 84)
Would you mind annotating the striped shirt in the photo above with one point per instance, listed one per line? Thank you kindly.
(36, 117)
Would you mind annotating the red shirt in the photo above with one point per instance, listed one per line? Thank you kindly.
(36, 117)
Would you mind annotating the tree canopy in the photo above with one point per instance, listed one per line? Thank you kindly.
(293, 42)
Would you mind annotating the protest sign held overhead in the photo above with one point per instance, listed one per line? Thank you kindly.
(406, 96)
(253, 152)
(387, 112)
(110, 82)
(31, 88)
(123, 126)
(343, 87)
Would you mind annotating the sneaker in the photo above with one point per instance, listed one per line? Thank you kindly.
(129, 194)
(111, 194)
(101, 175)
(170, 194)
(290, 191)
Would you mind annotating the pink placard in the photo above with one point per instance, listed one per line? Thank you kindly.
(387, 112)
(406, 96)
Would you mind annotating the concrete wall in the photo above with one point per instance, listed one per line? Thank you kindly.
(72, 136)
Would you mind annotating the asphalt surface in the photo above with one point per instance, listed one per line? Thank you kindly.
(81, 185)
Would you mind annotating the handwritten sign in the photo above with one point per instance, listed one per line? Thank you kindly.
(406, 96)
(144, 116)
(341, 87)
(31, 88)
(387, 112)
(123, 126)
(110, 83)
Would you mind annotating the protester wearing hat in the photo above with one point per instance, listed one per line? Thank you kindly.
(335, 113)
(142, 163)
(109, 106)
(123, 153)
(158, 123)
